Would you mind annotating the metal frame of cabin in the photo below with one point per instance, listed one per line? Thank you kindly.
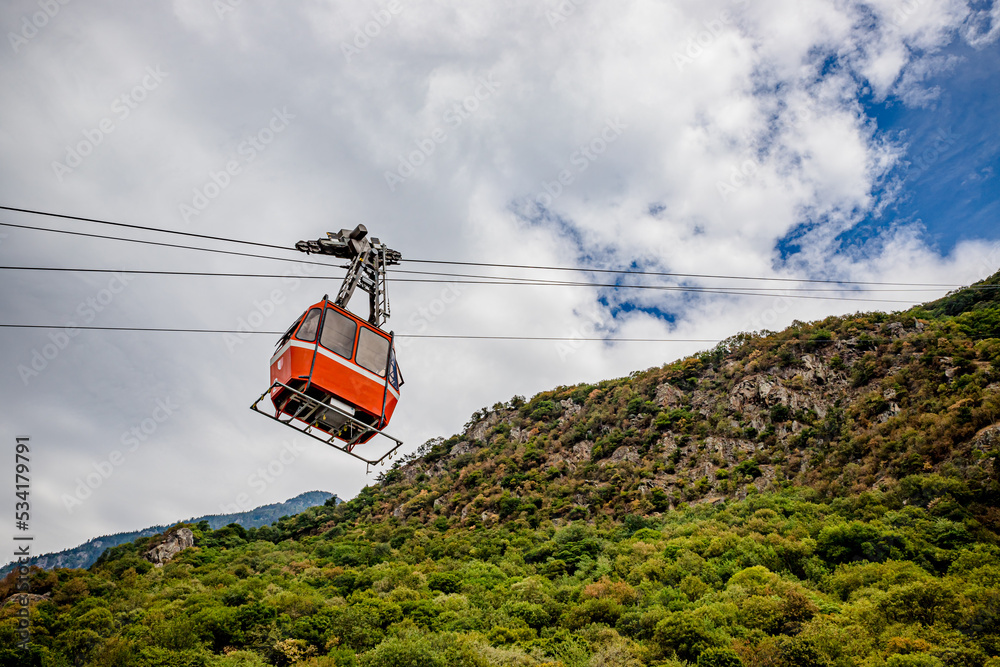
(308, 419)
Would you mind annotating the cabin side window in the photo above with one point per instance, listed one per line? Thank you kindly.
(288, 333)
(372, 351)
(395, 378)
(338, 333)
(310, 324)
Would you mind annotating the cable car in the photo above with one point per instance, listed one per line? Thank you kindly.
(334, 375)
(340, 360)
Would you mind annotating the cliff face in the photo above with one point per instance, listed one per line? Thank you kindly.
(905, 404)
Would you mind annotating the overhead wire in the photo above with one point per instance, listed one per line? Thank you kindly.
(675, 274)
(399, 335)
(142, 227)
(503, 280)
(426, 261)
(164, 244)
(486, 279)
(461, 279)
(243, 332)
(494, 280)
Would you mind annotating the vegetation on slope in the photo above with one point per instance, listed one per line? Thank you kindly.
(826, 495)
(776, 579)
(87, 553)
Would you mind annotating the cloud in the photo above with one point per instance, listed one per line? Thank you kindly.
(983, 26)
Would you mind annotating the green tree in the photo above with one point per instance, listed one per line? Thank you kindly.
(684, 634)
(913, 660)
(406, 651)
(719, 657)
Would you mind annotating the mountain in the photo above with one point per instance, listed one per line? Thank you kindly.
(823, 496)
(902, 404)
(87, 553)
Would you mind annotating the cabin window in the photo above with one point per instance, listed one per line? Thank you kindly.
(288, 333)
(394, 377)
(372, 351)
(338, 333)
(310, 324)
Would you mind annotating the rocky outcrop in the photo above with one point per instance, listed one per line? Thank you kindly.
(582, 451)
(987, 439)
(732, 450)
(621, 455)
(173, 543)
(463, 447)
(570, 410)
(480, 429)
(668, 395)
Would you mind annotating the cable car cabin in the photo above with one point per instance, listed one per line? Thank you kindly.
(345, 363)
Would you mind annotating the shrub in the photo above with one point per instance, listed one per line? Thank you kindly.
(863, 371)
(913, 660)
(544, 410)
(749, 468)
(407, 651)
(684, 634)
(445, 582)
(719, 657)
(856, 540)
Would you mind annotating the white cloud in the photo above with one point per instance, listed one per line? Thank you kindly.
(983, 26)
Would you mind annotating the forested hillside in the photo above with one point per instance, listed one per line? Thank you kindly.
(826, 495)
(87, 553)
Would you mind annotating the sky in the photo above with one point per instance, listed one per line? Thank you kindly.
(841, 141)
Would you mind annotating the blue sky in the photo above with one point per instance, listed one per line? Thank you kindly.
(950, 176)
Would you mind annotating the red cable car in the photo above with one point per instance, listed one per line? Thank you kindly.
(335, 357)
(332, 371)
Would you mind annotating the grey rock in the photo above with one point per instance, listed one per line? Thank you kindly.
(463, 447)
(622, 454)
(667, 395)
(173, 543)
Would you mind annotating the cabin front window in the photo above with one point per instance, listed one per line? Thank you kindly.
(338, 333)
(310, 324)
(373, 350)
